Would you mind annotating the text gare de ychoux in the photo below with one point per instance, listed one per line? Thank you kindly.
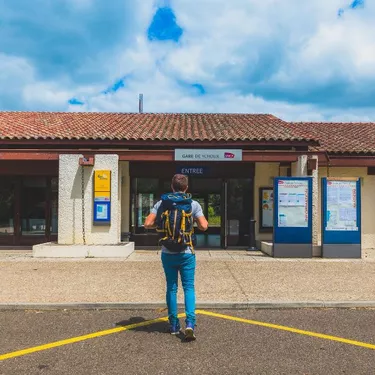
(200, 156)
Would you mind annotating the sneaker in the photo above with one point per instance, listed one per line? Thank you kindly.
(189, 333)
(175, 329)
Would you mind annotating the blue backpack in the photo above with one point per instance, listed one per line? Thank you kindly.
(175, 223)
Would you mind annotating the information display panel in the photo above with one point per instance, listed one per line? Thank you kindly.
(293, 204)
(292, 217)
(341, 206)
(341, 223)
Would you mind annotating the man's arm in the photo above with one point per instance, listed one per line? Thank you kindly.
(202, 223)
(150, 221)
(199, 217)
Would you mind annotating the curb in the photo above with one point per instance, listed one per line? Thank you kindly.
(199, 305)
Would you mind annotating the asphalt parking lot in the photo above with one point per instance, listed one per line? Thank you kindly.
(306, 341)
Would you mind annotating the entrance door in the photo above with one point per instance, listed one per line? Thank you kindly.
(227, 205)
(239, 208)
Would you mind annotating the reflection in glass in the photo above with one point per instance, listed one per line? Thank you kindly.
(33, 206)
(144, 198)
(54, 204)
(214, 210)
(6, 207)
(238, 211)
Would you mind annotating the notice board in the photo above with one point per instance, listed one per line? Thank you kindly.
(293, 210)
(341, 202)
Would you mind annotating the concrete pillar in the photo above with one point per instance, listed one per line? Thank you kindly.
(301, 166)
(299, 169)
(71, 209)
(317, 251)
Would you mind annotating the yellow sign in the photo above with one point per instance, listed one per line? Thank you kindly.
(102, 181)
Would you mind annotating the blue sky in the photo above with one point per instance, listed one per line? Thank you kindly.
(305, 60)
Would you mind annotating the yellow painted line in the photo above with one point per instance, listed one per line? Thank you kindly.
(73, 340)
(289, 329)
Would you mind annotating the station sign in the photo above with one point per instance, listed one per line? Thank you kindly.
(207, 155)
(188, 170)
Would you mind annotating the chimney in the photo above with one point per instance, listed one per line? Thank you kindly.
(140, 103)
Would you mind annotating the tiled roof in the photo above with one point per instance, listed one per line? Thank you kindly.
(145, 126)
(339, 137)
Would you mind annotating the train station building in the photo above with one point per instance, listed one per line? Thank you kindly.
(75, 180)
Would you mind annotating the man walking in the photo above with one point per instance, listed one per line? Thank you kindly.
(174, 216)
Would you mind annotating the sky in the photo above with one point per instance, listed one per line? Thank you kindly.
(298, 60)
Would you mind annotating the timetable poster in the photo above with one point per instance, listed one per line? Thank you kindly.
(267, 208)
(342, 206)
(293, 204)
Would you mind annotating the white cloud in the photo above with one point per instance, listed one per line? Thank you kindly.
(295, 59)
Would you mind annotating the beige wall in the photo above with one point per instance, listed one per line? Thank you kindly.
(264, 174)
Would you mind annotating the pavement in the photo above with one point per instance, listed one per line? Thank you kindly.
(224, 279)
(305, 342)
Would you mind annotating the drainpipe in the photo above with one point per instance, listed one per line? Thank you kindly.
(328, 162)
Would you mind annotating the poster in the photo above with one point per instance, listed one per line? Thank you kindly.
(293, 204)
(342, 206)
(267, 208)
(102, 212)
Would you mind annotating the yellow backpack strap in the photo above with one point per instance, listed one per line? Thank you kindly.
(167, 225)
(183, 226)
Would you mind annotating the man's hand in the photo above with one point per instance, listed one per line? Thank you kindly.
(150, 221)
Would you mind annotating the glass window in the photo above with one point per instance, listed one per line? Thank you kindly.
(202, 202)
(54, 204)
(166, 187)
(205, 185)
(6, 207)
(239, 209)
(145, 195)
(214, 210)
(33, 206)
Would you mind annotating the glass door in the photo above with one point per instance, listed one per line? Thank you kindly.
(239, 208)
(33, 206)
(208, 192)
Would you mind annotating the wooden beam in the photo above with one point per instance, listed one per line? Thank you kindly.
(22, 155)
(353, 162)
(268, 156)
(145, 155)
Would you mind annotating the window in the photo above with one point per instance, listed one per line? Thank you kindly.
(33, 206)
(54, 204)
(144, 197)
(6, 207)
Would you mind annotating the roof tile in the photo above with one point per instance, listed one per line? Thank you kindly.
(339, 137)
(145, 126)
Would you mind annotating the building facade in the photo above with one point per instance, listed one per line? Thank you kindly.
(48, 163)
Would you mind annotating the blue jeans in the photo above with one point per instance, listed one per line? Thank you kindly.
(185, 264)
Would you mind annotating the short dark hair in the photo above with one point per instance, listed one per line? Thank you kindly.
(179, 182)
